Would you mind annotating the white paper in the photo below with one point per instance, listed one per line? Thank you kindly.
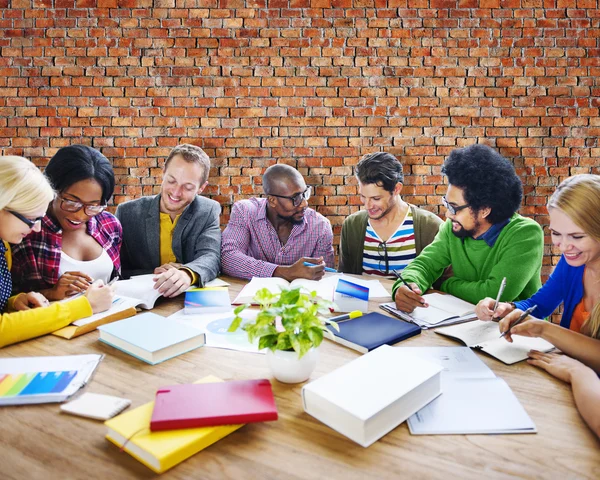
(215, 326)
(140, 287)
(217, 282)
(119, 304)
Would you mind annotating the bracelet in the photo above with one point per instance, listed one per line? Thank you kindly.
(513, 305)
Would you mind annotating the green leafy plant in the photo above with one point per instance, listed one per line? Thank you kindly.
(288, 320)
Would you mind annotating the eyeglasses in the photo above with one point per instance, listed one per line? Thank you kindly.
(296, 199)
(74, 206)
(25, 220)
(383, 257)
(451, 208)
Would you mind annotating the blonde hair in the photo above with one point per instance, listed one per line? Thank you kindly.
(23, 187)
(578, 197)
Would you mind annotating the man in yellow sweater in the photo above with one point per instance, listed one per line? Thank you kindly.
(174, 234)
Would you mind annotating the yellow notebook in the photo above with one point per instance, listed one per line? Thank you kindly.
(162, 450)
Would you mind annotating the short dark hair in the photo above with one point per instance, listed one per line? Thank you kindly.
(487, 180)
(382, 169)
(278, 174)
(75, 163)
(192, 154)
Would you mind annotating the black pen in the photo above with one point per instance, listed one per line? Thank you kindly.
(399, 275)
(523, 316)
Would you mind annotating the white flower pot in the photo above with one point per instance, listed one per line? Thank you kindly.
(288, 368)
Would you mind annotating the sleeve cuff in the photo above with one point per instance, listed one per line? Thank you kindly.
(192, 274)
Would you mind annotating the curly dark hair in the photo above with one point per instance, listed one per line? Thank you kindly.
(382, 169)
(487, 180)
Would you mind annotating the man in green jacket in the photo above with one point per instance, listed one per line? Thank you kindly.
(389, 233)
(483, 238)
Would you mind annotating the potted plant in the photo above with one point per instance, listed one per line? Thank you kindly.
(291, 325)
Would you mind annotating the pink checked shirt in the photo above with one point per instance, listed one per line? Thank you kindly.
(251, 247)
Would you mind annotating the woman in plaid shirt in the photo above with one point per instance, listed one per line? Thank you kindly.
(79, 241)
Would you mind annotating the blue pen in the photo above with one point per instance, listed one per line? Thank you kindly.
(327, 269)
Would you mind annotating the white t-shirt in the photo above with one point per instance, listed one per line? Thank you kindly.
(100, 268)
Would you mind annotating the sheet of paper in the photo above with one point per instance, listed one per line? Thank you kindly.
(473, 333)
(215, 326)
(472, 406)
(515, 352)
(457, 362)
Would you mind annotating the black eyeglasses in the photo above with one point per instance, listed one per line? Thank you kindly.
(297, 198)
(383, 257)
(451, 208)
(25, 220)
(73, 206)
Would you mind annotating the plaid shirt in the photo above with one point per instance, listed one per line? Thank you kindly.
(251, 247)
(36, 259)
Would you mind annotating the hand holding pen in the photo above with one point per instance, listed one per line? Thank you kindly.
(506, 325)
(407, 299)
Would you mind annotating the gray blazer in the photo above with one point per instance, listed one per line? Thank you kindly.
(196, 238)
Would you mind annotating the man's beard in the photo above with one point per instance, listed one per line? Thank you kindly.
(291, 219)
(391, 205)
(464, 233)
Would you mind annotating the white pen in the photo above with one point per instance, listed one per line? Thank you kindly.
(502, 286)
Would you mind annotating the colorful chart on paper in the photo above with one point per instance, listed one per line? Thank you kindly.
(34, 383)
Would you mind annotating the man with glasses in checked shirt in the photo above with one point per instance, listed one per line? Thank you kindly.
(275, 236)
(483, 239)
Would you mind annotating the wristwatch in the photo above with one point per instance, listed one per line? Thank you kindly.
(513, 305)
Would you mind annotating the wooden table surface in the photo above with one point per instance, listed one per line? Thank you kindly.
(37, 441)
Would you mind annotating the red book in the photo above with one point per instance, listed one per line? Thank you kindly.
(210, 404)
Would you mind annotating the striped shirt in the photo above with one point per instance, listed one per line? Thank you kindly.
(251, 247)
(399, 249)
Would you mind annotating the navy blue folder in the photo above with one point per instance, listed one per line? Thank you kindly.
(373, 330)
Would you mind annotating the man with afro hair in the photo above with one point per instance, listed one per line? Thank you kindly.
(483, 239)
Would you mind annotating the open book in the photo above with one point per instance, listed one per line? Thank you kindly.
(324, 287)
(485, 336)
(140, 287)
(443, 309)
(474, 400)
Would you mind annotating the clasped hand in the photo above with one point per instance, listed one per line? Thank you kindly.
(171, 279)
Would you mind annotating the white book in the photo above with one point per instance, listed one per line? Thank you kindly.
(485, 336)
(325, 287)
(140, 288)
(96, 406)
(474, 401)
(373, 394)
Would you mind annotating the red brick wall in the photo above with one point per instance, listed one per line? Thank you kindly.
(312, 83)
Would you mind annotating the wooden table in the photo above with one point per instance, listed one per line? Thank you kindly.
(39, 442)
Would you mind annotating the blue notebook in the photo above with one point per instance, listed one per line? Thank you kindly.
(151, 338)
(372, 330)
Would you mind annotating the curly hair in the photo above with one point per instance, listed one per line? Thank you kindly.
(381, 169)
(488, 180)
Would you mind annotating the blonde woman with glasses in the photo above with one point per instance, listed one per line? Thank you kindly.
(24, 196)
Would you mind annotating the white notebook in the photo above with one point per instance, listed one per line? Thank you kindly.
(474, 400)
(96, 406)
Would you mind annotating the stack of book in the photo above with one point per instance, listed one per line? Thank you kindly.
(185, 419)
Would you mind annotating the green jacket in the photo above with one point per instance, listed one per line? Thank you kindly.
(477, 268)
(352, 240)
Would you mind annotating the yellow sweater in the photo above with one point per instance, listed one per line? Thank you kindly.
(26, 324)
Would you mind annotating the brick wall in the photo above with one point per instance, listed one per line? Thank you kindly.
(312, 83)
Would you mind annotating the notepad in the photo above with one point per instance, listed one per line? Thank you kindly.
(485, 336)
(96, 406)
(161, 451)
(443, 309)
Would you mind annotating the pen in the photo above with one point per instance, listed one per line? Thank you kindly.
(346, 316)
(520, 319)
(327, 269)
(399, 275)
(502, 286)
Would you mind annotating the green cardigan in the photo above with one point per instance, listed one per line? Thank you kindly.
(352, 240)
(477, 268)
